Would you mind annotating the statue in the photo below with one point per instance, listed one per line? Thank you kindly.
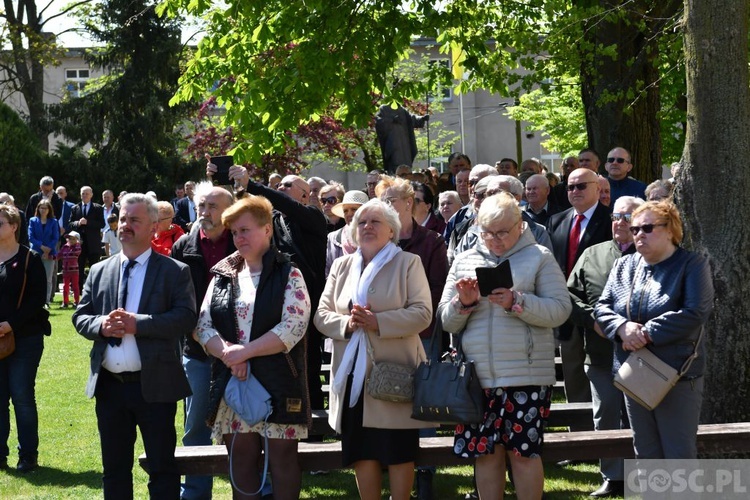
(395, 129)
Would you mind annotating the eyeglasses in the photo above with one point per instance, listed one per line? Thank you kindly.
(618, 217)
(497, 235)
(613, 159)
(580, 186)
(331, 199)
(478, 195)
(473, 182)
(371, 184)
(418, 200)
(646, 228)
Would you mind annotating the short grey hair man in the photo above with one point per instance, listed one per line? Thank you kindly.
(151, 207)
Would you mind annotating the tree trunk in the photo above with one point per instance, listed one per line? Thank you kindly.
(621, 93)
(27, 43)
(712, 191)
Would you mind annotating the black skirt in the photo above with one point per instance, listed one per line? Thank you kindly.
(387, 446)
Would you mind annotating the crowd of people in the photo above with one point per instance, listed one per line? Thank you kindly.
(269, 280)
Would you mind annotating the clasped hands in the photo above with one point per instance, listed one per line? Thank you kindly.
(468, 293)
(118, 323)
(633, 335)
(362, 317)
(235, 357)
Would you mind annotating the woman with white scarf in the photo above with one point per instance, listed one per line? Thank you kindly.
(378, 293)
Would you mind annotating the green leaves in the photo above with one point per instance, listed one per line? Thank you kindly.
(283, 62)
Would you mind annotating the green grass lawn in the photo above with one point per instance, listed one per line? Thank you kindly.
(69, 455)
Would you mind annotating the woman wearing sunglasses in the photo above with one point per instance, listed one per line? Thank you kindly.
(585, 283)
(330, 195)
(659, 299)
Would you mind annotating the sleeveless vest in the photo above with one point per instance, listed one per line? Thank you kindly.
(284, 375)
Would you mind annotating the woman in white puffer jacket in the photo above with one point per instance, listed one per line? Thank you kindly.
(508, 335)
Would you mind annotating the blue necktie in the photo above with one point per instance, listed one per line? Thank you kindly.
(122, 296)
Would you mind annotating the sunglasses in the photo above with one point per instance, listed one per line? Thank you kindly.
(618, 217)
(331, 199)
(479, 196)
(473, 182)
(646, 228)
(581, 186)
(290, 185)
(613, 159)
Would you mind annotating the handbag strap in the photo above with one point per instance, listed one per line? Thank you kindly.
(437, 332)
(371, 351)
(23, 286)
(694, 355)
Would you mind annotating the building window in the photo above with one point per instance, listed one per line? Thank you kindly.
(76, 80)
(442, 92)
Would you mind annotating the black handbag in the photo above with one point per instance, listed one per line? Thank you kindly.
(447, 392)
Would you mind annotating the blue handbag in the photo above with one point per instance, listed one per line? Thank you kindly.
(248, 398)
(252, 402)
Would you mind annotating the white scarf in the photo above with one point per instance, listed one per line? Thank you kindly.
(357, 347)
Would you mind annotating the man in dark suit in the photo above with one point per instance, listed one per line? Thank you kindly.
(185, 211)
(63, 218)
(136, 308)
(46, 190)
(88, 219)
(586, 223)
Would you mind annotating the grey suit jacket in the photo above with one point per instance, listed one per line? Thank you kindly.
(166, 314)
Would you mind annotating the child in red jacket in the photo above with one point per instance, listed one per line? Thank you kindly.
(68, 254)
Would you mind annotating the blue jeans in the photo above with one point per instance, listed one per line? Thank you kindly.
(197, 433)
(17, 383)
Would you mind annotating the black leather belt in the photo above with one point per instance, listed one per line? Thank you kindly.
(124, 377)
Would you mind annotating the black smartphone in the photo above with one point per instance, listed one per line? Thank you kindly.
(221, 177)
(490, 278)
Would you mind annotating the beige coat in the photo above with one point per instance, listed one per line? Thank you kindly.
(400, 298)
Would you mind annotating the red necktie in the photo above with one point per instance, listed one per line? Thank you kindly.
(575, 235)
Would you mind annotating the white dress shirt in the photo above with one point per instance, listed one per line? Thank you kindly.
(125, 357)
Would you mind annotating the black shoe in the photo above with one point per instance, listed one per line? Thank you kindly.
(424, 485)
(610, 489)
(471, 496)
(26, 465)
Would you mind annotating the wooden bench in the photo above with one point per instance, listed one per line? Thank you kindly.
(561, 415)
(713, 439)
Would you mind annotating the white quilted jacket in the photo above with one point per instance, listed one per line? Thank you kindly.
(509, 349)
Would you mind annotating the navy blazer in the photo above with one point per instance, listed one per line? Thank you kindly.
(67, 211)
(182, 213)
(598, 230)
(166, 314)
(91, 232)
